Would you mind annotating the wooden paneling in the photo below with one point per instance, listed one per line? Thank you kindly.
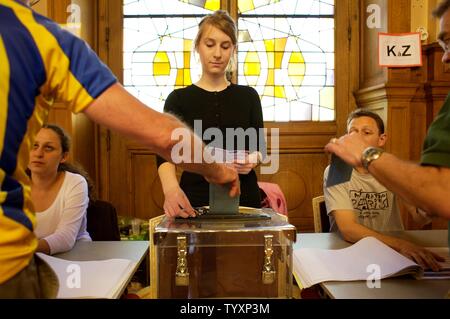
(78, 126)
(371, 74)
(300, 178)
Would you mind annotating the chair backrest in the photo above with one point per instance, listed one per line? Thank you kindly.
(321, 219)
(102, 222)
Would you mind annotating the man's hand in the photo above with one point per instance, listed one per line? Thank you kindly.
(226, 175)
(176, 203)
(348, 147)
(425, 258)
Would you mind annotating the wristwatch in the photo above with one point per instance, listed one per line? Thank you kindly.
(369, 155)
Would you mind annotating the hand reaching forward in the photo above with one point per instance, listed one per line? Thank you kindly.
(425, 258)
(226, 175)
(176, 203)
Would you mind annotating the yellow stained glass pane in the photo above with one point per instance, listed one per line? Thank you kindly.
(161, 57)
(252, 69)
(246, 5)
(296, 80)
(187, 77)
(179, 78)
(278, 59)
(280, 44)
(187, 44)
(327, 97)
(296, 69)
(279, 92)
(270, 45)
(270, 77)
(252, 57)
(270, 60)
(187, 60)
(297, 57)
(212, 5)
(161, 69)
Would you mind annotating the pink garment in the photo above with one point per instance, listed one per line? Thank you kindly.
(274, 197)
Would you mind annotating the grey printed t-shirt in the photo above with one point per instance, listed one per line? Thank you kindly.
(373, 204)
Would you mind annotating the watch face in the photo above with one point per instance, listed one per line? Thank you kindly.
(370, 154)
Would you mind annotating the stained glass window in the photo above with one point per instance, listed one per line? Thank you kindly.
(157, 52)
(286, 52)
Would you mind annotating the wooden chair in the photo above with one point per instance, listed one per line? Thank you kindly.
(151, 292)
(102, 222)
(321, 219)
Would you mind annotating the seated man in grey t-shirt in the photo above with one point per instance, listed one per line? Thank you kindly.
(363, 207)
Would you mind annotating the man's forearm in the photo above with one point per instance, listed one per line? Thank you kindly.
(118, 110)
(355, 232)
(426, 187)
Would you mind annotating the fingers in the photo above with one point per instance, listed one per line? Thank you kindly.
(178, 205)
(437, 257)
(332, 146)
(425, 259)
(235, 189)
(243, 169)
(186, 207)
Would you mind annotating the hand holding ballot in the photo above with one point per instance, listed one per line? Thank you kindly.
(241, 160)
(348, 147)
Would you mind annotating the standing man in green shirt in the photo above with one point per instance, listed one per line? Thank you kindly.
(425, 185)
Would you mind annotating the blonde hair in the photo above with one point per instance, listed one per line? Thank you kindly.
(221, 20)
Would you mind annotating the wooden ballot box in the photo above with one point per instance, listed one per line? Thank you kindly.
(224, 258)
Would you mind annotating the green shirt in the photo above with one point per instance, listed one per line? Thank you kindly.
(436, 149)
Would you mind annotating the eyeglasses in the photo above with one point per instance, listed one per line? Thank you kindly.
(445, 44)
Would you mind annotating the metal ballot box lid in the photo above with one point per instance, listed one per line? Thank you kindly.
(224, 258)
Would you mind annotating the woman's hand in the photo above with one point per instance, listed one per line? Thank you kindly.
(246, 165)
(176, 203)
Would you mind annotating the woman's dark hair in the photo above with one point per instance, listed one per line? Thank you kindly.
(65, 141)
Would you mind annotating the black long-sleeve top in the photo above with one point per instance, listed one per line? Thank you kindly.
(235, 107)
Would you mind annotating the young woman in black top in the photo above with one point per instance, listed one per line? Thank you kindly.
(218, 104)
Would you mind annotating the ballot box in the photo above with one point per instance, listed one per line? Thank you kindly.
(224, 258)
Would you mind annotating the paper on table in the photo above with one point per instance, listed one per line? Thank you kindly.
(312, 266)
(97, 279)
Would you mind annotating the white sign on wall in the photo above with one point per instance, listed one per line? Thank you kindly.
(398, 50)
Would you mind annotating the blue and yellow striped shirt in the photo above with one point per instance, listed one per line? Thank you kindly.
(39, 63)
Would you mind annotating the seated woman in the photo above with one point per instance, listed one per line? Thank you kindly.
(60, 197)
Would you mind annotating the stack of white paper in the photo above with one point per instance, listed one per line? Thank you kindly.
(90, 279)
(365, 260)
